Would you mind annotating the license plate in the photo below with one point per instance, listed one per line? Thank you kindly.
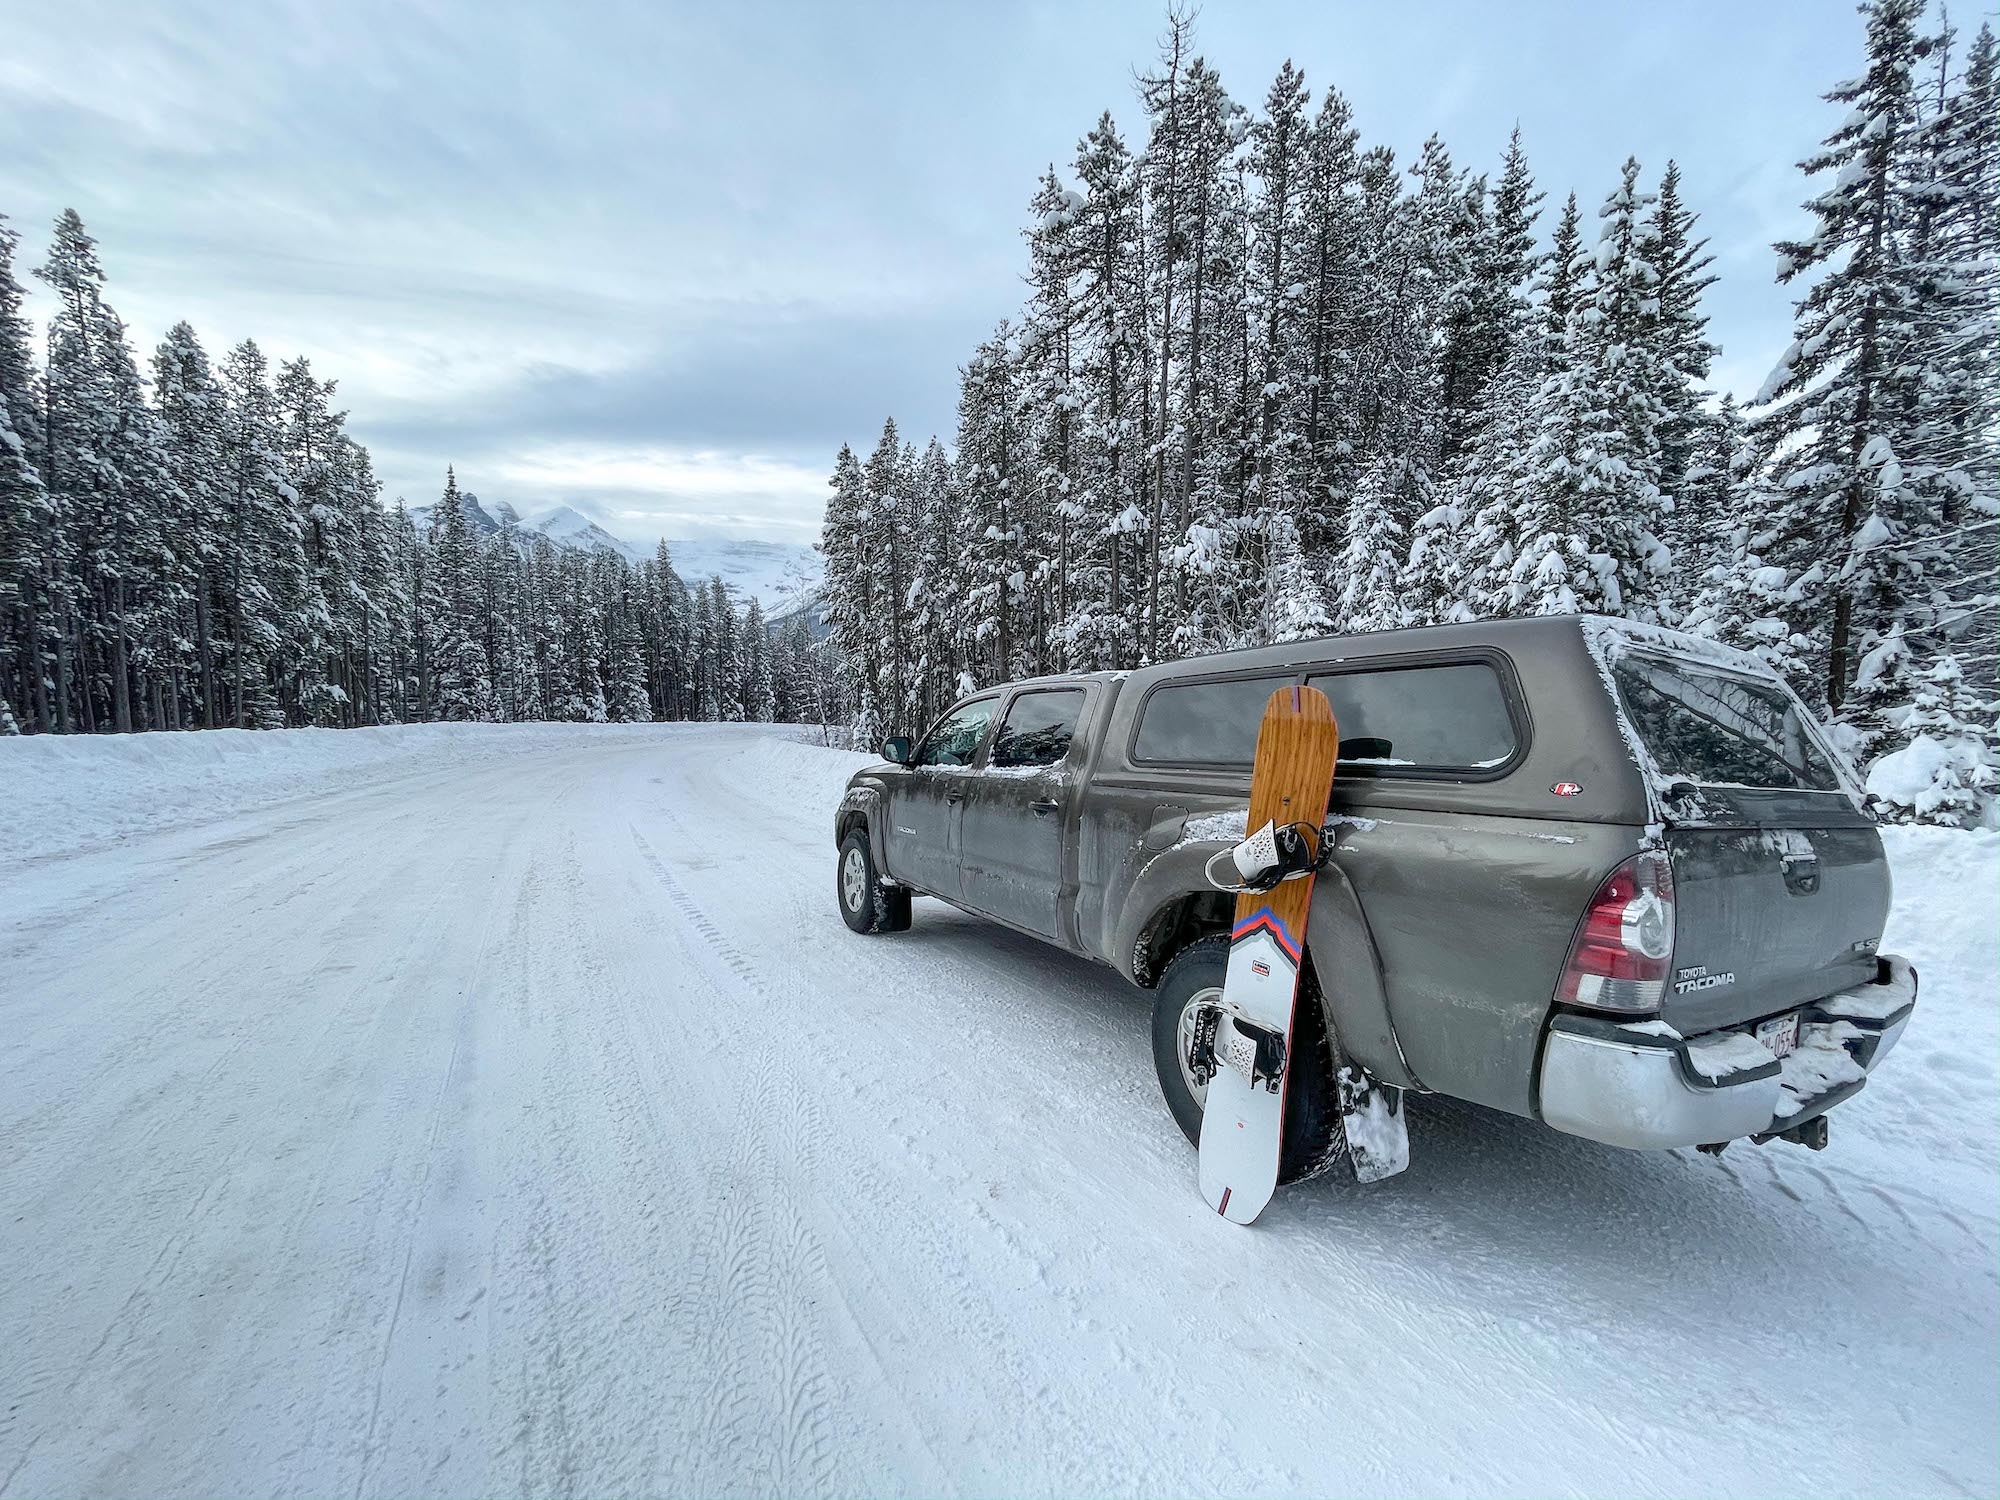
(1780, 1034)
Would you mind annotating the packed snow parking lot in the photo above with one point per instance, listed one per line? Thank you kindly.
(469, 1110)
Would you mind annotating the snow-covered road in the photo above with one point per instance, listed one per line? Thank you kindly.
(528, 1122)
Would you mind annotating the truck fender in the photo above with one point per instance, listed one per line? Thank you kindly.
(1341, 948)
(866, 803)
(1349, 971)
(1167, 884)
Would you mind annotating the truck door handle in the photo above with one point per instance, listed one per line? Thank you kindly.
(1043, 808)
(954, 798)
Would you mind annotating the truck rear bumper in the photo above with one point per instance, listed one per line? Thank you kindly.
(1643, 1087)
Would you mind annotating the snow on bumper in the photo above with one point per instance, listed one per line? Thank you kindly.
(1643, 1087)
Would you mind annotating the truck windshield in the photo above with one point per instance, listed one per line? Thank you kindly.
(1718, 729)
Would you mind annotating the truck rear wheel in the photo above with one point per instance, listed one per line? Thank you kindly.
(1314, 1139)
(866, 904)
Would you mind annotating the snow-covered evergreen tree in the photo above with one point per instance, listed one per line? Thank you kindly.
(1873, 440)
(1681, 262)
(194, 421)
(1833, 497)
(464, 684)
(27, 516)
(760, 690)
(1370, 571)
(1586, 487)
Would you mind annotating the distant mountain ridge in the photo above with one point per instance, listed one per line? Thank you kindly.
(776, 574)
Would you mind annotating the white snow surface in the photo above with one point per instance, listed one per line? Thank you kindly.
(507, 1110)
(1729, 1052)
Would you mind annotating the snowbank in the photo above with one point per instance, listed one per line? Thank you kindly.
(1929, 775)
(64, 793)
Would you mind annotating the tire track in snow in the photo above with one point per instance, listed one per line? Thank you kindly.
(771, 1394)
(211, 1142)
(967, 1308)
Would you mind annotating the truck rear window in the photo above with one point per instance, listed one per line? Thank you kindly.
(1450, 718)
(1718, 729)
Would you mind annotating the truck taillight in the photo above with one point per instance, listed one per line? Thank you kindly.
(1619, 958)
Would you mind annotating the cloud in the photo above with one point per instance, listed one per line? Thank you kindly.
(644, 493)
(744, 405)
(666, 258)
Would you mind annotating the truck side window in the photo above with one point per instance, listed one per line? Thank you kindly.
(954, 739)
(1205, 723)
(1038, 729)
(1450, 717)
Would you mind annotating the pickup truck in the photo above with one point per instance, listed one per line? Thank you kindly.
(1602, 875)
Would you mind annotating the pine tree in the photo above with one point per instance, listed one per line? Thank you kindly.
(937, 591)
(263, 558)
(1840, 516)
(848, 592)
(464, 686)
(1698, 532)
(27, 516)
(889, 550)
(627, 701)
(990, 461)
(1105, 627)
(1371, 582)
(1587, 484)
(1681, 262)
(1333, 231)
(1278, 155)
(194, 421)
(760, 695)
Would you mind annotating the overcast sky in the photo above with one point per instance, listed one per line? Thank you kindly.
(662, 259)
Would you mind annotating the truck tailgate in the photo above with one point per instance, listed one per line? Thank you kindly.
(1766, 919)
(1780, 885)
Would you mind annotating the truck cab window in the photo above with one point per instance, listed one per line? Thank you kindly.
(1038, 729)
(954, 739)
(1204, 723)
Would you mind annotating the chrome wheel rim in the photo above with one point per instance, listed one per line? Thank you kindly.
(1199, 1001)
(854, 879)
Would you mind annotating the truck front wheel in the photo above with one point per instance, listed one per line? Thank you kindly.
(866, 904)
(1314, 1139)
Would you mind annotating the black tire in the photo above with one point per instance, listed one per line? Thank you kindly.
(866, 904)
(1314, 1139)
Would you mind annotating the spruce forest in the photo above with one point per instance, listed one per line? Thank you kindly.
(1268, 383)
(210, 549)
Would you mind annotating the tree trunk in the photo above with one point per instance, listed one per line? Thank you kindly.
(204, 648)
(121, 661)
(37, 680)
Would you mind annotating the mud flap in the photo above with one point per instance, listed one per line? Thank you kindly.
(1371, 1113)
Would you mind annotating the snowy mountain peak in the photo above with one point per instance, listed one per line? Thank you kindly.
(779, 575)
(572, 528)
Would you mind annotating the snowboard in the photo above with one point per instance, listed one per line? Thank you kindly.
(1243, 1118)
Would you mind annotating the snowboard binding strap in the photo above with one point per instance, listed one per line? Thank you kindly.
(1273, 854)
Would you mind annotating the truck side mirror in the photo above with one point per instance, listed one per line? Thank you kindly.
(896, 750)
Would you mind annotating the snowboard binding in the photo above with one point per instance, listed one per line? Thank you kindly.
(1258, 1054)
(1272, 855)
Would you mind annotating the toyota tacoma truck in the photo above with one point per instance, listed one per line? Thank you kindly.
(1602, 875)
